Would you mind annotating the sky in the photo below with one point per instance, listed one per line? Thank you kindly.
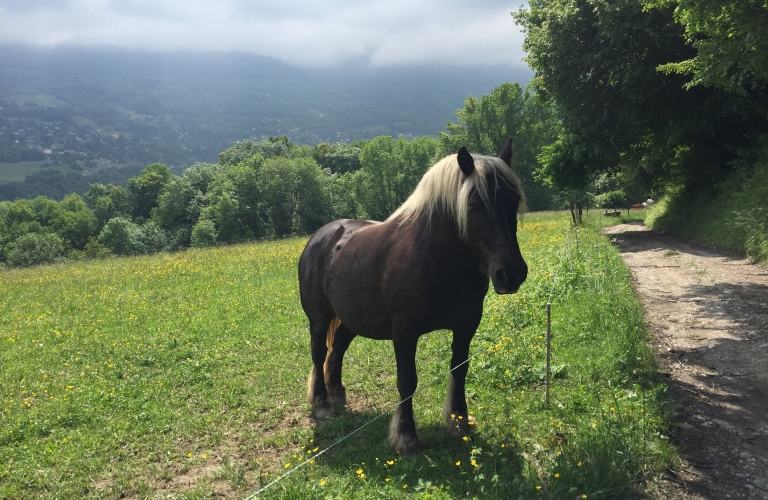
(300, 32)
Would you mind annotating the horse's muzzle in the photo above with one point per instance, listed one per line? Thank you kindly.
(507, 281)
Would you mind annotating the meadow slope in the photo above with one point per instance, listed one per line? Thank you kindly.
(182, 375)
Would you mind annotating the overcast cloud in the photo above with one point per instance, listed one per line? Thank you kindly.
(302, 32)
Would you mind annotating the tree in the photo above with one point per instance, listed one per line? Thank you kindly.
(294, 196)
(107, 202)
(339, 158)
(150, 238)
(33, 249)
(731, 42)
(74, 223)
(121, 236)
(346, 193)
(19, 211)
(145, 188)
(484, 125)
(183, 200)
(204, 233)
(46, 210)
(242, 150)
(223, 211)
(312, 195)
(391, 169)
(20, 220)
(243, 182)
(597, 61)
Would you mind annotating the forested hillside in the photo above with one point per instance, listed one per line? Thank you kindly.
(83, 111)
(271, 188)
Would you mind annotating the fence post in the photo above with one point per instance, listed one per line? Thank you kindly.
(549, 332)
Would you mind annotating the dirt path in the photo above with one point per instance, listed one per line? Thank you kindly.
(709, 314)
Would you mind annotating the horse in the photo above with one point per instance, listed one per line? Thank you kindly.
(427, 267)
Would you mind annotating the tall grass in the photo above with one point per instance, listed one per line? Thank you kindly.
(183, 374)
(736, 219)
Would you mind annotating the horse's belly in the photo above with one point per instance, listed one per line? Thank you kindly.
(368, 326)
(357, 302)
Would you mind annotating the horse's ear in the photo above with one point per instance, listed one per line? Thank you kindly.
(506, 152)
(466, 163)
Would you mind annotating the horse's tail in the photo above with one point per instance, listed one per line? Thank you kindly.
(335, 323)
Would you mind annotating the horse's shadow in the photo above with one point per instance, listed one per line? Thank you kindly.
(445, 459)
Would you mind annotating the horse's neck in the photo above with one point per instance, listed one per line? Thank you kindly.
(441, 234)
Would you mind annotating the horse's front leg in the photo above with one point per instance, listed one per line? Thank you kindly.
(402, 429)
(457, 419)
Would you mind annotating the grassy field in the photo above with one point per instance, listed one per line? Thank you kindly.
(10, 172)
(183, 375)
(39, 99)
(82, 121)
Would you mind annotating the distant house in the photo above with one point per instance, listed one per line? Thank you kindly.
(115, 135)
(47, 151)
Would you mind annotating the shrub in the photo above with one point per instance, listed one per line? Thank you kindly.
(611, 199)
(736, 218)
(36, 248)
(204, 233)
(95, 250)
(121, 236)
(180, 238)
(151, 238)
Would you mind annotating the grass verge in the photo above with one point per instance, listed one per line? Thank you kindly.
(735, 219)
(184, 375)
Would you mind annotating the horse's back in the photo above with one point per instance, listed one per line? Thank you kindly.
(315, 258)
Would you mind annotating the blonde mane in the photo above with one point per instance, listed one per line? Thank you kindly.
(445, 187)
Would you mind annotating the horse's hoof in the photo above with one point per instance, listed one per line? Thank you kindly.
(323, 413)
(460, 425)
(321, 408)
(406, 444)
(338, 395)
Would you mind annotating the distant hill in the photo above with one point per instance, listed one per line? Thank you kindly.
(135, 107)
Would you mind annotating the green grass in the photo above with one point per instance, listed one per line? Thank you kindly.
(82, 121)
(596, 217)
(185, 374)
(10, 172)
(735, 219)
(39, 99)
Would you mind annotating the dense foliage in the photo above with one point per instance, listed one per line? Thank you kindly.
(485, 124)
(655, 96)
(730, 38)
(57, 183)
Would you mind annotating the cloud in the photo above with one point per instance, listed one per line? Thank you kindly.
(302, 32)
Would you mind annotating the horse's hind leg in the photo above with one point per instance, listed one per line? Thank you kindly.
(457, 419)
(337, 393)
(317, 394)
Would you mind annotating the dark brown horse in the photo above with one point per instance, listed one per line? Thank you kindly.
(423, 269)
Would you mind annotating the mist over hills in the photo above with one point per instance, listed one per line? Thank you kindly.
(183, 107)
